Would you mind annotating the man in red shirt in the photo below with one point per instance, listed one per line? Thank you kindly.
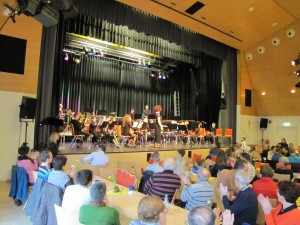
(265, 185)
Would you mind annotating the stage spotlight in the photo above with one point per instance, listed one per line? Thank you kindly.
(66, 57)
(297, 85)
(76, 59)
(159, 75)
(101, 54)
(86, 51)
(297, 73)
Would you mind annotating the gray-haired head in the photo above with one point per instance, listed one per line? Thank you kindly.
(203, 174)
(98, 191)
(201, 215)
(155, 156)
(169, 164)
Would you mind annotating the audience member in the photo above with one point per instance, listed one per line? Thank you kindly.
(265, 152)
(151, 211)
(265, 185)
(244, 207)
(285, 151)
(245, 148)
(57, 177)
(98, 157)
(165, 182)
(251, 169)
(44, 169)
(271, 153)
(283, 143)
(221, 163)
(215, 150)
(238, 149)
(255, 153)
(283, 167)
(53, 145)
(155, 167)
(277, 155)
(227, 177)
(286, 212)
(78, 195)
(201, 193)
(98, 211)
(293, 158)
(180, 163)
(231, 156)
(28, 160)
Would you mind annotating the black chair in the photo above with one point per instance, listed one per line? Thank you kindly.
(295, 167)
(147, 174)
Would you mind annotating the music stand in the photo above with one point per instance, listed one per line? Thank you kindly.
(137, 116)
(101, 112)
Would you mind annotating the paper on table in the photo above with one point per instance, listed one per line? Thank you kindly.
(112, 192)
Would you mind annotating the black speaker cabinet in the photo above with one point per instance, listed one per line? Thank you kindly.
(248, 101)
(28, 108)
(263, 123)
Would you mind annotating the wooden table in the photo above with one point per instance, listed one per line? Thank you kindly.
(127, 204)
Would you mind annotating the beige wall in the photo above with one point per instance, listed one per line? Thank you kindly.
(13, 87)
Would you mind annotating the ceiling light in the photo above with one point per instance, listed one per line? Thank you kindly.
(297, 73)
(297, 85)
(295, 62)
(274, 24)
(251, 9)
(263, 93)
(293, 91)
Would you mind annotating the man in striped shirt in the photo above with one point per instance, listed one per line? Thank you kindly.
(201, 193)
(165, 182)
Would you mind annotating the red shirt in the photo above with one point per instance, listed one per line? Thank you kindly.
(265, 186)
(291, 217)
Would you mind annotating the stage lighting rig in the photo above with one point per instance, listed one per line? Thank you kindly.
(296, 62)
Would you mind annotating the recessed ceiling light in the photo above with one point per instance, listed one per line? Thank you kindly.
(251, 9)
(293, 91)
(263, 93)
(274, 24)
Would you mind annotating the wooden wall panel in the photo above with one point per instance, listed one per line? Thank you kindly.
(29, 29)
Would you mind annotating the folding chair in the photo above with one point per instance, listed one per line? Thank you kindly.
(77, 137)
(228, 134)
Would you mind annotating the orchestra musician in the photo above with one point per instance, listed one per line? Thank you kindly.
(213, 130)
(79, 127)
(110, 129)
(146, 111)
(158, 126)
(132, 113)
(127, 130)
(61, 114)
(93, 129)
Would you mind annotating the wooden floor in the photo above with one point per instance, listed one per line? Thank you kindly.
(10, 214)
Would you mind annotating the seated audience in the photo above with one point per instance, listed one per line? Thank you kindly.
(202, 215)
(277, 155)
(271, 153)
(238, 149)
(155, 167)
(227, 177)
(97, 158)
(98, 211)
(265, 185)
(283, 167)
(78, 194)
(151, 211)
(251, 168)
(265, 152)
(244, 207)
(53, 145)
(28, 160)
(255, 153)
(201, 193)
(180, 163)
(221, 163)
(286, 212)
(44, 168)
(57, 177)
(285, 151)
(215, 150)
(165, 182)
(293, 158)
(231, 156)
(283, 143)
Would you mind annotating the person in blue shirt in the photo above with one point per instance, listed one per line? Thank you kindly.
(44, 169)
(293, 158)
(97, 158)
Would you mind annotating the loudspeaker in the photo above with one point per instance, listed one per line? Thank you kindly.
(189, 154)
(148, 156)
(263, 123)
(48, 16)
(248, 98)
(28, 108)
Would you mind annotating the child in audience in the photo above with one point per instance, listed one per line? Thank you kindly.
(44, 168)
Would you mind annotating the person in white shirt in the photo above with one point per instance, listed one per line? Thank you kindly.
(97, 158)
(155, 167)
(78, 194)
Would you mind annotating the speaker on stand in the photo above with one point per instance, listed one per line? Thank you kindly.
(263, 125)
(27, 112)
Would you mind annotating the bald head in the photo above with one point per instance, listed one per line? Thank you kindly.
(203, 174)
(169, 164)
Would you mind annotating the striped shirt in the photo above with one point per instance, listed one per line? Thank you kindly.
(43, 172)
(201, 193)
(163, 183)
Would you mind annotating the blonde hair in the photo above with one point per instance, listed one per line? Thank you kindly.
(126, 118)
(149, 208)
(54, 137)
